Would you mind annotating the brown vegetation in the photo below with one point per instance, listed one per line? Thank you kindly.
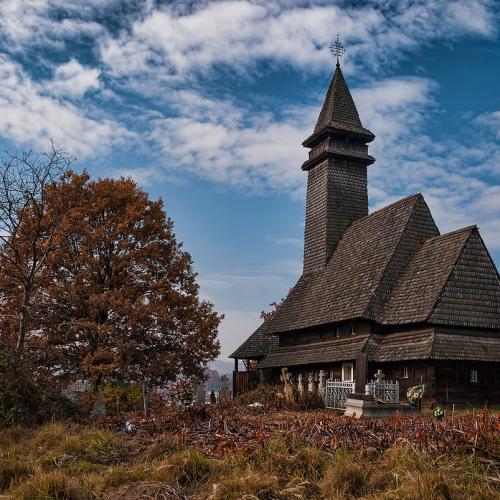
(273, 454)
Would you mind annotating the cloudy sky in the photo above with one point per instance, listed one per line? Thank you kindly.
(206, 104)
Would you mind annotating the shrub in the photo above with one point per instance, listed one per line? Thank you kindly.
(128, 396)
(145, 490)
(120, 475)
(182, 393)
(289, 458)
(163, 445)
(95, 445)
(23, 401)
(271, 396)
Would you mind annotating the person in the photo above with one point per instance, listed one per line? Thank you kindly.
(213, 398)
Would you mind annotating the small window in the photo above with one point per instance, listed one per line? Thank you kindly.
(405, 372)
(345, 329)
(347, 372)
(473, 376)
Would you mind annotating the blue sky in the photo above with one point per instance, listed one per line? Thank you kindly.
(206, 104)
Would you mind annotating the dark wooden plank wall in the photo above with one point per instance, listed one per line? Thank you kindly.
(454, 384)
(418, 372)
(244, 382)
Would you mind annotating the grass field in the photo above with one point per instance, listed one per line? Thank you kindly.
(229, 454)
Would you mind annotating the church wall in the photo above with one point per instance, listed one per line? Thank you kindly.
(324, 332)
(446, 382)
(408, 374)
(465, 382)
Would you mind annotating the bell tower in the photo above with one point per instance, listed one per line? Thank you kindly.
(337, 187)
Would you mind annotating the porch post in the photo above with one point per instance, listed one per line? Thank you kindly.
(361, 372)
(236, 364)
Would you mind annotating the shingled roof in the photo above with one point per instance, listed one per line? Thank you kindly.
(368, 260)
(339, 111)
(391, 267)
(431, 343)
(425, 343)
(257, 345)
(451, 280)
(340, 349)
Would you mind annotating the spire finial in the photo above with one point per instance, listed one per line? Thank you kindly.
(337, 49)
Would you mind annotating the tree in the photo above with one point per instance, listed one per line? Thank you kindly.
(29, 232)
(122, 301)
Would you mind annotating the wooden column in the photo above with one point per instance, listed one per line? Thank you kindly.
(361, 372)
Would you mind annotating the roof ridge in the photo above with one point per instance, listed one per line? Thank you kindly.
(454, 232)
(391, 205)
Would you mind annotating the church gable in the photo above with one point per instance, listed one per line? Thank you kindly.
(471, 296)
(420, 227)
(423, 280)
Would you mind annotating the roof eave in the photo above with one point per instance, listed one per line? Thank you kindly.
(366, 159)
(357, 132)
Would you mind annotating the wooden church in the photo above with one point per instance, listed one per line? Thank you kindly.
(381, 290)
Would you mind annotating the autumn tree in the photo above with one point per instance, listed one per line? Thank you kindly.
(122, 300)
(29, 233)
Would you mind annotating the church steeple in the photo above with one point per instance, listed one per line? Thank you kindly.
(339, 110)
(338, 119)
(337, 187)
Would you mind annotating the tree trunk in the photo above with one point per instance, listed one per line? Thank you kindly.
(23, 324)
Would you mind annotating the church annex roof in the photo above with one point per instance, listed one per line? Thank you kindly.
(340, 349)
(434, 343)
(258, 345)
(451, 280)
(419, 344)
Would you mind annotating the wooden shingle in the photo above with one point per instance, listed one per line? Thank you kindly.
(257, 345)
(369, 258)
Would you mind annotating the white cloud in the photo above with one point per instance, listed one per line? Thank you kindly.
(25, 23)
(238, 33)
(255, 156)
(491, 121)
(217, 141)
(74, 80)
(30, 116)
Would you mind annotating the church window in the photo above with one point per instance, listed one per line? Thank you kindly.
(405, 372)
(473, 377)
(347, 372)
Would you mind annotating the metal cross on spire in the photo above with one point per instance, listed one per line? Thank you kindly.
(337, 49)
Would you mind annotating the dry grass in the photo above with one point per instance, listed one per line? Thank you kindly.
(65, 461)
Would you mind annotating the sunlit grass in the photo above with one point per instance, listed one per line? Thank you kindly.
(66, 461)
